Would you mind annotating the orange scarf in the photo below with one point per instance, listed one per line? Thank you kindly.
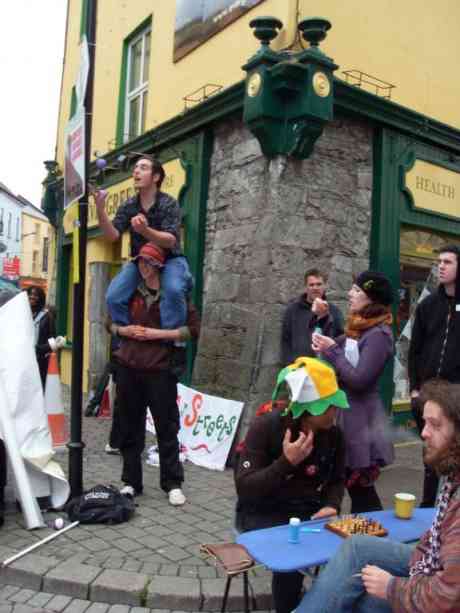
(357, 323)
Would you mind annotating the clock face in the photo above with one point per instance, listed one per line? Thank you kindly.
(321, 84)
(254, 84)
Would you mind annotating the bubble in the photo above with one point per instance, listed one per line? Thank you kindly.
(101, 163)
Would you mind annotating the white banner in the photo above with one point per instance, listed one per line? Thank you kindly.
(208, 426)
(23, 391)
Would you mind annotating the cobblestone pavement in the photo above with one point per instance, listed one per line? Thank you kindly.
(151, 562)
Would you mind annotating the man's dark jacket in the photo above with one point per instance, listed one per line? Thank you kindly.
(434, 349)
(298, 325)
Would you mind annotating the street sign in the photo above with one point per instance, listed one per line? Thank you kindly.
(74, 167)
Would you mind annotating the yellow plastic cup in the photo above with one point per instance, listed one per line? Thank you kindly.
(404, 505)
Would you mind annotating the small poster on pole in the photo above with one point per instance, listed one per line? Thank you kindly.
(74, 168)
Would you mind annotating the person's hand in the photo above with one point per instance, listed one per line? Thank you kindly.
(324, 512)
(137, 333)
(100, 196)
(414, 394)
(139, 223)
(299, 450)
(376, 581)
(320, 308)
(57, 343)
(320, 343)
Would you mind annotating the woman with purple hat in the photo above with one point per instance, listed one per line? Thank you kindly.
(359, 357)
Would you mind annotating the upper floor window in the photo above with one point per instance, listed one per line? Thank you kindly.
(35, 261)
(45, 255)
(137, 85)
(17, 229)
(37, 233)
(1, 221)
(10, 219)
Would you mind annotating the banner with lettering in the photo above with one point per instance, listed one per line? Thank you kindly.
(208, 426)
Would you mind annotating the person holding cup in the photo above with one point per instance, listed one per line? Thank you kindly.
(374, 575)
(359, 358)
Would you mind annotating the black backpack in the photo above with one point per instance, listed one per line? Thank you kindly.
(102, 504)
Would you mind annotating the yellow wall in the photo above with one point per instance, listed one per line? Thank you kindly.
(33, 241)
(412, 44)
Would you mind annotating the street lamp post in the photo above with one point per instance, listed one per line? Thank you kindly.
(76, 445)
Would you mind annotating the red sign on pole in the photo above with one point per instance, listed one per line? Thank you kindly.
(11, 268)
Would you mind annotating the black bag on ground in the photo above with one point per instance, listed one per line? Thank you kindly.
(102, 504)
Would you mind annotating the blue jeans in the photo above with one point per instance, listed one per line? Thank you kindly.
(337, 591)
(176, 283)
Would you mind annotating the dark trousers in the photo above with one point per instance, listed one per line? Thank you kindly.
(43, 368)
(364, 499)
(287, 591)
(431, 479)
(136, 391)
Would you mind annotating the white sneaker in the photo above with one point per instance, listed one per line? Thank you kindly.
(176, 497)
(128, 490)
(111, 450)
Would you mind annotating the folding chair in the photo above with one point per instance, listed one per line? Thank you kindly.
(233, 559)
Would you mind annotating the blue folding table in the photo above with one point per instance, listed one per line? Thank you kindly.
(271, 548)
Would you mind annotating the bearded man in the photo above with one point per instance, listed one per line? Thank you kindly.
(375, 575)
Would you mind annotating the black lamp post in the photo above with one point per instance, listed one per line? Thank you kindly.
(76, 445)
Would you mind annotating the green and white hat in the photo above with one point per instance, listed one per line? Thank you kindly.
(312, 385)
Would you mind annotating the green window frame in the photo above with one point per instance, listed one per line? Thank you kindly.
(134, 83)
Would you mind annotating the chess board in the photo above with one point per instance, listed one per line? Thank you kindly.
(348, 525)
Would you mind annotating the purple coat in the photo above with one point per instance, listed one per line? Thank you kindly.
(365, 424)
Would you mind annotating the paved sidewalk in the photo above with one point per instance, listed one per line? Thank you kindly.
(152, 561)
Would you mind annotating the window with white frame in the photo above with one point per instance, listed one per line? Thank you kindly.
(10, 218)
(137, 85)
(1, 221)
(17, 229)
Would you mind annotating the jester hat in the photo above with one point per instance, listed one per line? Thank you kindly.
(312, 385)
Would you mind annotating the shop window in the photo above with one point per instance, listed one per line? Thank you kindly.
(419, 251)
(134, 88)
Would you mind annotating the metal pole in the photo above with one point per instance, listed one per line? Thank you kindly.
(76, 445)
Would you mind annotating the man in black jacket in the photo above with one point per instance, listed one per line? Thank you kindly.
(434, 350)
(305, 313)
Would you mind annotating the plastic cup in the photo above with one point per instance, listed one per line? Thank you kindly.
(404, 505)
(294, 530)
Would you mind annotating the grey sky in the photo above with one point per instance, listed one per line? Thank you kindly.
(32, 36)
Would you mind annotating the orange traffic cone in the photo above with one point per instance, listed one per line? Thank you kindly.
(53, 404)
(105, 409)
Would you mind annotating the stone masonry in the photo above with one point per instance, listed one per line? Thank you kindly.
(267, 222)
